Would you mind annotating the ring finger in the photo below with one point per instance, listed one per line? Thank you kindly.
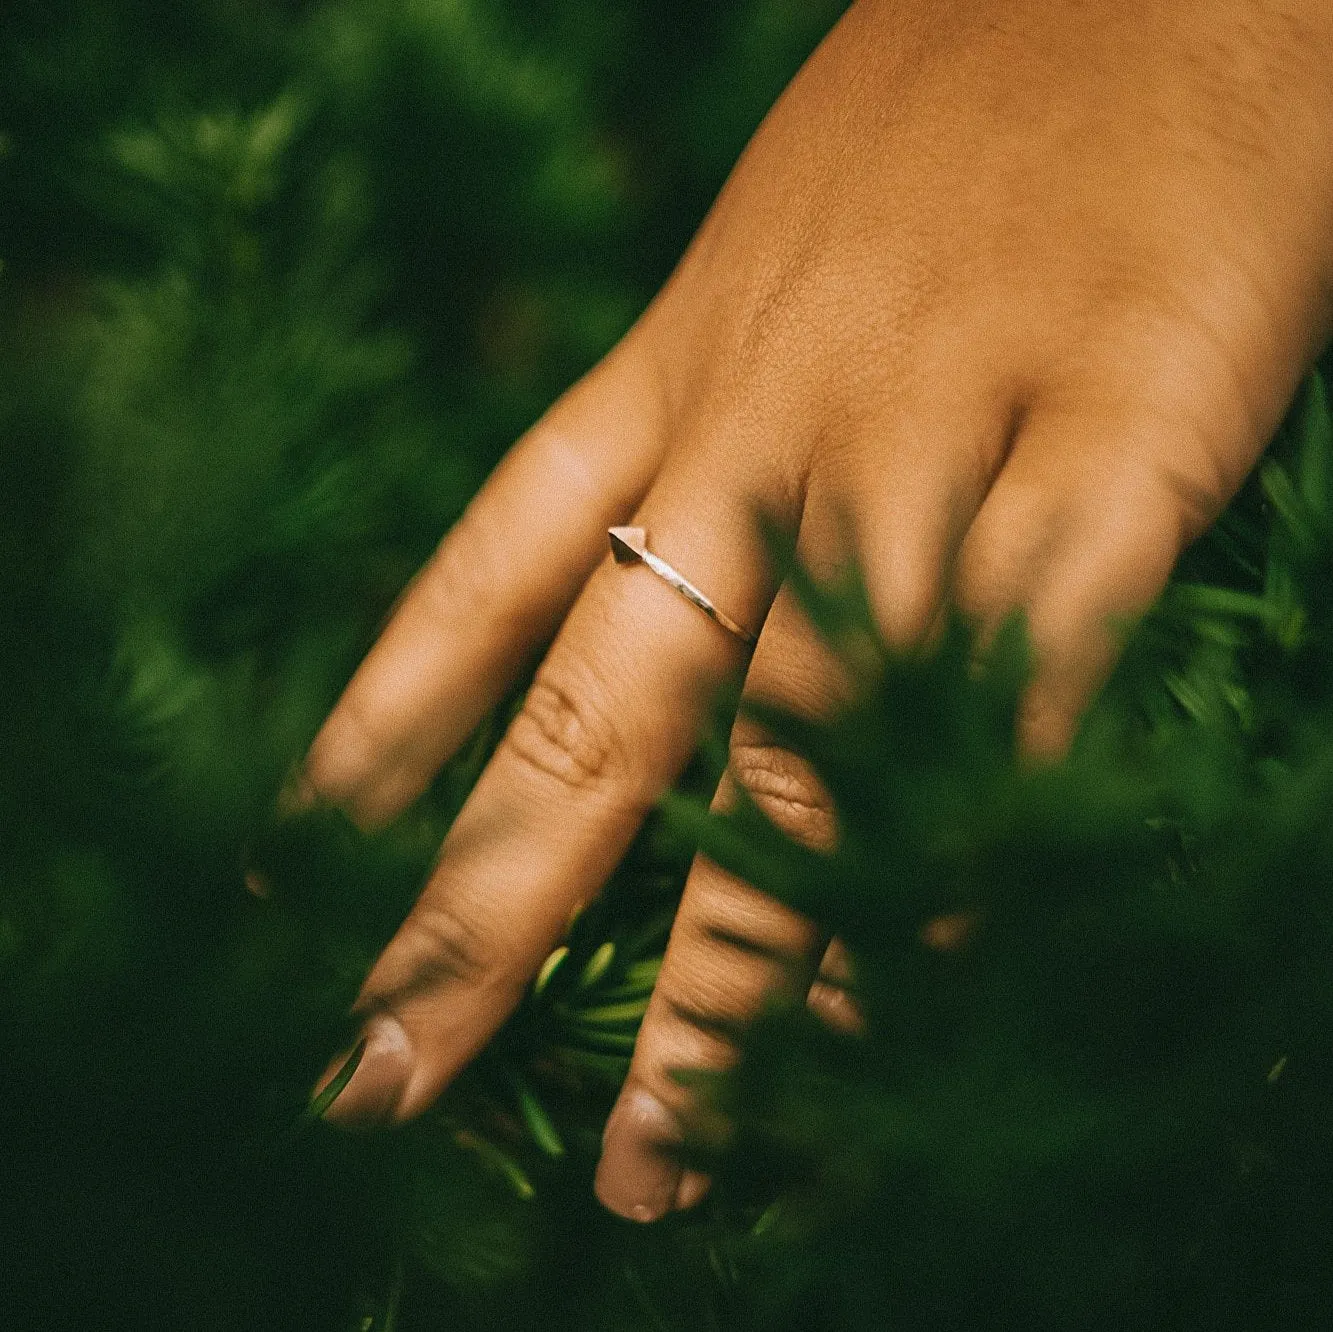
(732, 948)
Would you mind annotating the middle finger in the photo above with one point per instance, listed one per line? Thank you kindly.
(610, 720)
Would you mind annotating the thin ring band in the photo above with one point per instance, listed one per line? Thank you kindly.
(629, 545)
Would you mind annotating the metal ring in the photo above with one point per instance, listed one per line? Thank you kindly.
(629, 545)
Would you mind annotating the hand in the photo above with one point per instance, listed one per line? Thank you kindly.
(1018, 289)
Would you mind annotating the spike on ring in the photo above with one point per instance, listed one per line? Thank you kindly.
(629, 545)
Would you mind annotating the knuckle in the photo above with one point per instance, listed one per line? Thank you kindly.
(718, 993)
(914, 583)
(350, 751)
(786, 790)
(563, 458)
(998, 556)
(1192, 483)
(681, 1033)
(559, 735)
(741, 928)
(452, 946)
(467, 571)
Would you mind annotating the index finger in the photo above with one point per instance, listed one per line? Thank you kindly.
(493, 591)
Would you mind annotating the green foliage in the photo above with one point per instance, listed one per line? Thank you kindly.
(1102, 1098)
(281, 282)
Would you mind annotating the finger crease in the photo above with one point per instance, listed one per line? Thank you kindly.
(714, 1024)
(786, 958)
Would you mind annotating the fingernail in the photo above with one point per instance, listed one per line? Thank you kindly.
(375, 1089)
(694, 1186)
(637, 1177)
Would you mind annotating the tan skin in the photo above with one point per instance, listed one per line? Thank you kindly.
(1002, 302)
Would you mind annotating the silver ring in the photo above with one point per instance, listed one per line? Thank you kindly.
(629, 545)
